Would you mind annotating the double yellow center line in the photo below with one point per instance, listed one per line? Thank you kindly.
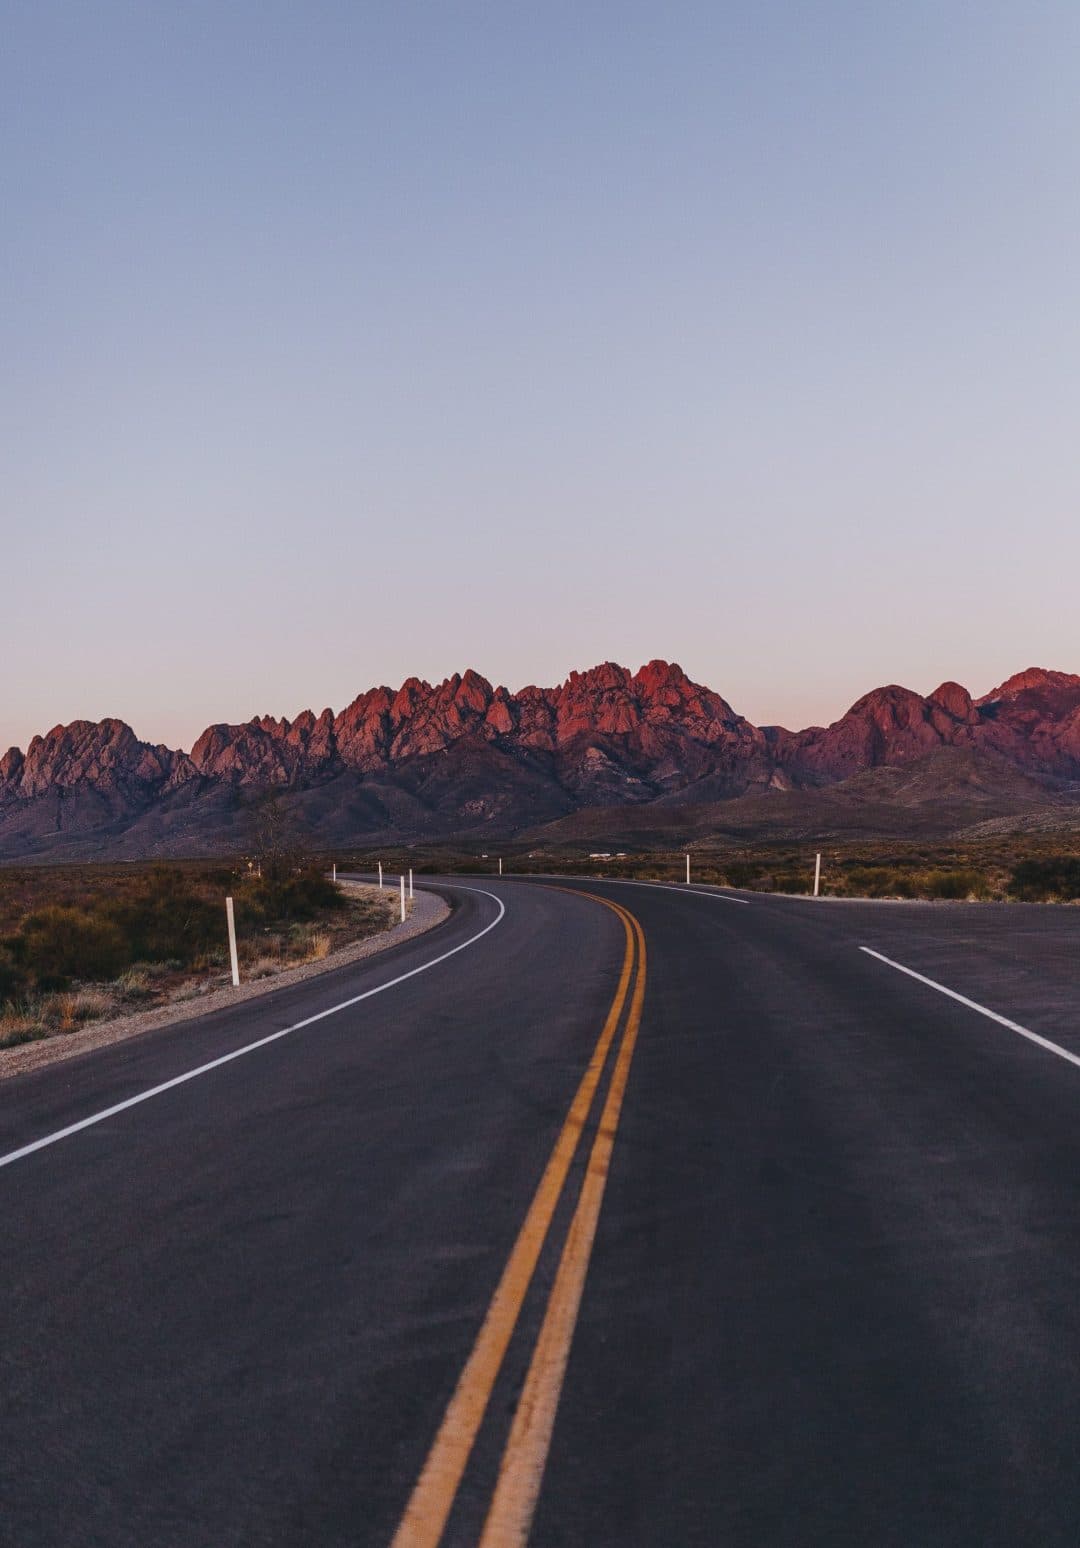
(522, 1469)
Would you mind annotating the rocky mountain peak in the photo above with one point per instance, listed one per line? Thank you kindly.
(954, 700)
(105, 754)
(1048, 685)
(10, 766)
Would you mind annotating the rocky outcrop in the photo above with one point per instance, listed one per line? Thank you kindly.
(463, 753)
(888, 725)
(1033, 720)
(266, 751)
(104, 755)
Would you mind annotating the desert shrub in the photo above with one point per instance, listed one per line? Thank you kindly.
(792, 881)
(876, 881)
(1036, 881)
(57, 944)
(303, 894)
(11, 979)
(741, 873)
(882, 881)
(166, 919)
(951, 884)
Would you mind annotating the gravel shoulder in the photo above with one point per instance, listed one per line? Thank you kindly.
(425, 911)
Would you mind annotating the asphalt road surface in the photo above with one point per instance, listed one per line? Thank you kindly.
(683, 1221)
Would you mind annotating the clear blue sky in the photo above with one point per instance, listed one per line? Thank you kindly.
(348, 341)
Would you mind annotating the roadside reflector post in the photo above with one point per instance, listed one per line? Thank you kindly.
(500, 865)
(232, 943)
(403, 898)
(688, 870)
(335, 872)
(410, 882)
(380, 873)
(817, 876)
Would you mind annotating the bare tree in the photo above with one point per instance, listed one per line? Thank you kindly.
(279, 842)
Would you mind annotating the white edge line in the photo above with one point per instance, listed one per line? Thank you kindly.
(694, 892)
(238, 1053)
(1003, 1021)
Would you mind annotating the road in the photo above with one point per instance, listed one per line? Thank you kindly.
(683, 1221)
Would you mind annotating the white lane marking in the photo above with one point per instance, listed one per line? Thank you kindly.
(1003, 1021)
(695, 892)
(238, 1053)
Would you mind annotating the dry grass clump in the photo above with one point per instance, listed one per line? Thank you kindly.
(83, 1005)
(51, 1015)
(20, 1023)
(193, 989)
(264, 967)
(139, 983)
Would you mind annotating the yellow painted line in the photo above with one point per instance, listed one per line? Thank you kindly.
(433, 1497)
(522, 1470)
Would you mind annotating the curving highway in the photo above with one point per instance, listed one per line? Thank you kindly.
(602, 1214)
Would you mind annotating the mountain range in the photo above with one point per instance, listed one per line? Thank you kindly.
(645, 757)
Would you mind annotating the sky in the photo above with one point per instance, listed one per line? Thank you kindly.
(344, 342)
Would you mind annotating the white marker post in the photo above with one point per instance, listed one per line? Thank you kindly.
(500, 865)
(410, 882)
(232, 943)
(403, 900)
(380, 873)
(688, 870)
(335, 873)
(817, 876)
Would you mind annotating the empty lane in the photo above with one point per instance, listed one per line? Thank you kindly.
(829, 1294)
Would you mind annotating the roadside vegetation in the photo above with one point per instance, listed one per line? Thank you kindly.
(78, 943)
(937, 873)
(1009, 869)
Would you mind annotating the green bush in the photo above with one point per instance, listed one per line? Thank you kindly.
(166, 919)
(58, 944)
(741, 873)
(1037, 881)
(301, 896)
(791, 881)
(881, 881)
(952, 884)
(876, 881)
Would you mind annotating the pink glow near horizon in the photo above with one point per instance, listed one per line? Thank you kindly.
(186, 734)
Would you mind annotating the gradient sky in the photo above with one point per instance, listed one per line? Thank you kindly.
(348, 341)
